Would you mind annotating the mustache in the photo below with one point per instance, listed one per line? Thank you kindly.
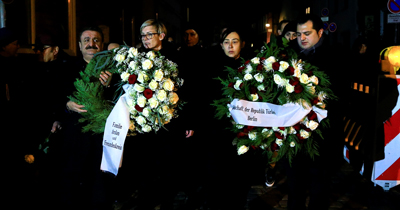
(91, 47)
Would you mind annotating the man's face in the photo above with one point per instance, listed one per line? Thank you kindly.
(90, 44)
(307, 37)
(48, 53)
(153, 43)
(12, 48)
(191, 37)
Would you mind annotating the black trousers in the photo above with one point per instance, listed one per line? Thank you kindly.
(307, 175)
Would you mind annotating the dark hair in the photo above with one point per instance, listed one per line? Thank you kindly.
(230, 30)
(91, 28)
(317, 22)
(281, 23)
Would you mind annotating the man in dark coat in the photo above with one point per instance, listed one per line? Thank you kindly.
(305, 172)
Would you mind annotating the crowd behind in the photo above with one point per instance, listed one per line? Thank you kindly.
(195, 156)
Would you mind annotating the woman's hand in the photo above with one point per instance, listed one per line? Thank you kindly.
(189, 133)
(75, 107)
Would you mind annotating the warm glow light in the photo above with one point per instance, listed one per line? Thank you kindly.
(394, 56)
(267, 25)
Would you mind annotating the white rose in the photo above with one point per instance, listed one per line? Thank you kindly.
(242, 149)
(141, 101)
(237, 84)
(132, 52)
(161, 95)
(142, 77)
(252, 135)
(312, 125)
(133, 65)
(278, 80)
(279, 142)
(146, 128)
(283, 66)
(292, 131)
(248, 77)
(304, 134)
(147, 64)
(168, 85)
(313, 79)
(270, 59)
(267, 66)
(261, 87)
(304, 78)
(239, 126)
(255, 60)
(248, 69)
(119, 57)
(259, 77)
(146, 112)
(153, 102)
(163, 110)
(125, 76)
(254, 97)
(266, 132)
(138, 88)
(289, 88)
(158, 75)
(153, 85)
(173, 97)
(151, 55)
(292, 144)
(141, 120)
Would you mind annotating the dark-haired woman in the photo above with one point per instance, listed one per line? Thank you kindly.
(228, 174)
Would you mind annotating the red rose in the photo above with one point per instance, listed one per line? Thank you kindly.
(294, 81)
(259, 67)
(310, 73)
(240, 69)
(315, 101)
(262, 59)
(278, 135)
(132, 79)
(241, 134)
(230, 84)
(148, 93)
(299, 138)
(289, 71)
(248, 129)
(247, 62)
(138, 108)
(274, 146)
(275, 66)
(297, 127)
(298, 88)
(312, 115)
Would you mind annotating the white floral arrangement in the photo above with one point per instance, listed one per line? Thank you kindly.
(150, 81)
(276, 76)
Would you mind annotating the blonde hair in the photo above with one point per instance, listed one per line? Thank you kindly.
(160, 27)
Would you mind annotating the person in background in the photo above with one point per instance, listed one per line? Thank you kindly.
(281, 26)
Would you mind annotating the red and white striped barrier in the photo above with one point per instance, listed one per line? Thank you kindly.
(386, 172)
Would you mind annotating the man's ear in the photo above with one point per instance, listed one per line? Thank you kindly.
(320, 32)
(162, 36)
(56, 50)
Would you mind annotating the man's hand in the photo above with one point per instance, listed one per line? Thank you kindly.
(75, 107)
(56, 126)
(189, 133)
(105, 78)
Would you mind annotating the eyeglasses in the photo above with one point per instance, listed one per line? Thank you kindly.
(41, 49)
(147, 36)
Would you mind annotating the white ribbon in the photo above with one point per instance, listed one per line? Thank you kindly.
(115, 132)
(262, 114)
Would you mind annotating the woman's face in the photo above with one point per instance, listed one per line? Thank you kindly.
(232, 45)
